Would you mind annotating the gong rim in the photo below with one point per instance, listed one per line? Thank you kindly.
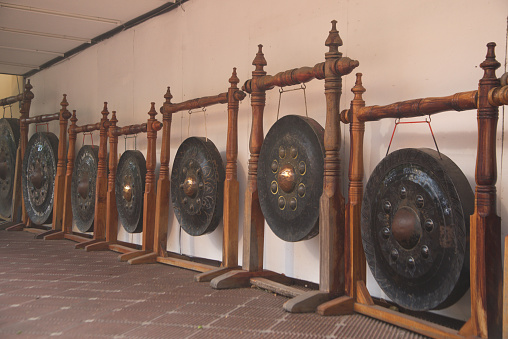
(197, 186)
(38, 179)
(415, 228)
(9, 139)
(130, 190)
(290, 177)
(84, 179)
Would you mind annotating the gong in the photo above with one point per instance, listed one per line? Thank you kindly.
(415, 228)
(9, 138)
(290, 177)
(84, 179)
(38, 179)
(130, 190)
(197, 186)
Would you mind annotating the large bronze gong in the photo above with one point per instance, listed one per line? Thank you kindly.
(290, 177)
(415, 228)
(9, 138)
(130, 190)
(84, 179)
(38, 179)
(197, 186)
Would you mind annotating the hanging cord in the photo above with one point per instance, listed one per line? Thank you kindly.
(44, 123)
(135, 137)
(302, 87)
(427, 121)
(91, 137)
(10, 107)
(204, 114)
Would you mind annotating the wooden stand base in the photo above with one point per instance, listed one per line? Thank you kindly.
(86, 243)
(209, 275)
(306, 302)
(16, 227)
(184, 263)
(43, 234)
(6, 224)
(241, 278)
(147, 258)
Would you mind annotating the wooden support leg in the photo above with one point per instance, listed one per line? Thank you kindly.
(148, 258)
(98, 246)
(307, 302)
(86, 243)
(239, 278)
(55, 236)
(131, 255)
(43, 234)
(209, 275)
(17, 227)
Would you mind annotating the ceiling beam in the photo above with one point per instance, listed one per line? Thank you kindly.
(60, 13)
(46, 35)
(31, 50)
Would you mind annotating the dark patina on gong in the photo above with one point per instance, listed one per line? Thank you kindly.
(38, 179)
(84, 179)
(130, 190)
(9, 138)
(197, 186)
(290, 177)
(415, 228)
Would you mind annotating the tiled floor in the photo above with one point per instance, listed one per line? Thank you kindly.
(49, 289)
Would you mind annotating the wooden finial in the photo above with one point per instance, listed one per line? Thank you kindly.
(168, 96)
(152, 112)
(333, 41)
(64, 102)
(259, 61)
(105, 111)
(358, 89)
(113, 119)
(234, 79)
(490, 64)
(74, 119)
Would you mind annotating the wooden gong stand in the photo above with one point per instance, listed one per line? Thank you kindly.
(111, 241)
(331, 203)
(231, 187)
(101, 183)
(58, 190)
(17, 200)
(485, 231)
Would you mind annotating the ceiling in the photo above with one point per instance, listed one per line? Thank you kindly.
(35, 34)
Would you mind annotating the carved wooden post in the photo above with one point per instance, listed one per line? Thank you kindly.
(67, 211)
(101, 188)
(163, 185)
(112, 212)
(23, 141)
(485, 246)
(150, 193)
(331, 216)
(254, 222)
(231, 185)
(60, 167)
(354, 255)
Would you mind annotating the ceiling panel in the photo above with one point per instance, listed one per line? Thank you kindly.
(35, 32)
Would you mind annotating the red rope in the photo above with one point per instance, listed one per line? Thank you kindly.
(427, 121)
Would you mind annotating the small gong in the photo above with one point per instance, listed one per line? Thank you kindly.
(130, 190)
(415, 228)
(290, 177)
(38, 178)
(197, 186)
(84, 179)
(9, 138)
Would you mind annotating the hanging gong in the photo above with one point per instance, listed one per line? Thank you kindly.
(290, 177)
(9, 138)
(130, 190)
(197, 186)
(415, 228)
(38, 179)
(84, 179)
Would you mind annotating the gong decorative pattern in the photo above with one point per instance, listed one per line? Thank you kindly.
(130, 190)
(84, 178)
(415, 228)
(197, 186)
(290, 177)
(38, 179)
(9, 138)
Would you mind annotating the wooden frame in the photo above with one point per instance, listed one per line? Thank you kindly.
(101, 183)
(331, 202)
(58, 190)
(111, 242)
(26, 100)
(231, 187)
(485, 234)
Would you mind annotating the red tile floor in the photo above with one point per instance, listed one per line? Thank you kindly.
(49, 289)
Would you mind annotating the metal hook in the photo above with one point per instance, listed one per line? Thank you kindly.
(203, 109)
(427, 121)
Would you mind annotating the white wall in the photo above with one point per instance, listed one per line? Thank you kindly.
(406, 50)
